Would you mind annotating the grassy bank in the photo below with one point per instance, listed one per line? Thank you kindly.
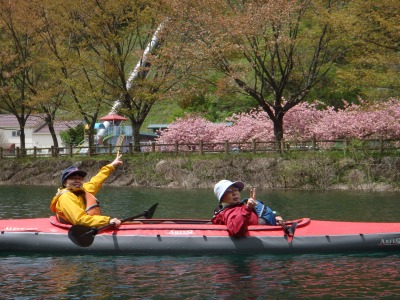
(294, 170)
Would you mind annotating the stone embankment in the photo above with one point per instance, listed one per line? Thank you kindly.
(318, 173)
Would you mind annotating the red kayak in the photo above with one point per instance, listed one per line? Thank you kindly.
(190, 236)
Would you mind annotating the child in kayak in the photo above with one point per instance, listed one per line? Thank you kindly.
(238, 214)
(75, 201)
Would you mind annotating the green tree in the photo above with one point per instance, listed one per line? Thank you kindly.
(73, 136)
(66, 30)
(374, 60)
(272, 51)
(28, 80)
(20, 67)
(118, 39)
(95, 46)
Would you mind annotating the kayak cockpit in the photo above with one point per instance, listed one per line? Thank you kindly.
(200, 224)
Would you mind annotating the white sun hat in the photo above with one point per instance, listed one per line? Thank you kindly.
(223, 185)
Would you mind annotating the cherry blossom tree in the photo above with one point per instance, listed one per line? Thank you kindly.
(360, 121)
(304, 122)
(191, 130)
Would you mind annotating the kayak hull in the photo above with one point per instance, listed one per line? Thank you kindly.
(200, 237)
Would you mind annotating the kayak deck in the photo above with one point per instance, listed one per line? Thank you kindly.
(192, 236)
(305, 226)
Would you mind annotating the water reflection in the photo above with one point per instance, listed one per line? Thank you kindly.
(201, 277)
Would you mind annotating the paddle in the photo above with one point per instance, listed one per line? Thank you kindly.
(83, 236)
(288, 230)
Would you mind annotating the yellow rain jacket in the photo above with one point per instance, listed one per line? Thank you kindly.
(70, 204)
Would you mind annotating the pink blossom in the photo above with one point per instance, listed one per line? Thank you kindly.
(301, 123)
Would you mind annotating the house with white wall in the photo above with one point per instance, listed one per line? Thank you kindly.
(37, 133)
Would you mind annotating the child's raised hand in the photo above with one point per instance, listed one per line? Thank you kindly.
(117, 161)
(253, 193)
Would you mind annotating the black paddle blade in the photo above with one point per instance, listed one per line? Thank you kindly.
(81, 235)
(148, 214)
(292, 228)
(289, 230)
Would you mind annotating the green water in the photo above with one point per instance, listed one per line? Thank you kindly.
(366, 276)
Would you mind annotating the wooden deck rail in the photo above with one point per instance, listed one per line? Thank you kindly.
(202, 148)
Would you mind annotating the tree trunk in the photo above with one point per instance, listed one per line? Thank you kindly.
(136, 137)
(91, 140)
(278, 130)
(54, 137)
(22, 140)
(49, 119)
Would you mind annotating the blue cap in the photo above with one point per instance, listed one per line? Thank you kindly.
(71, 171)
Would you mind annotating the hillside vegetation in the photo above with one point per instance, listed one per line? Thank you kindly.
(159, 58)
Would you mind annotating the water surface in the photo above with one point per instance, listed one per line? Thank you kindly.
(339, 276)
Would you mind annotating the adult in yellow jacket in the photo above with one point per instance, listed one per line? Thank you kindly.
(75, 201)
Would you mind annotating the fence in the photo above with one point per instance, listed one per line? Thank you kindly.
(202, 148)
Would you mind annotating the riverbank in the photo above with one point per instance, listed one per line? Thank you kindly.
(303, 171)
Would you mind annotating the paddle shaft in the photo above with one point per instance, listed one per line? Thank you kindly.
(122, 221)
(83, 236)
(147, 214)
